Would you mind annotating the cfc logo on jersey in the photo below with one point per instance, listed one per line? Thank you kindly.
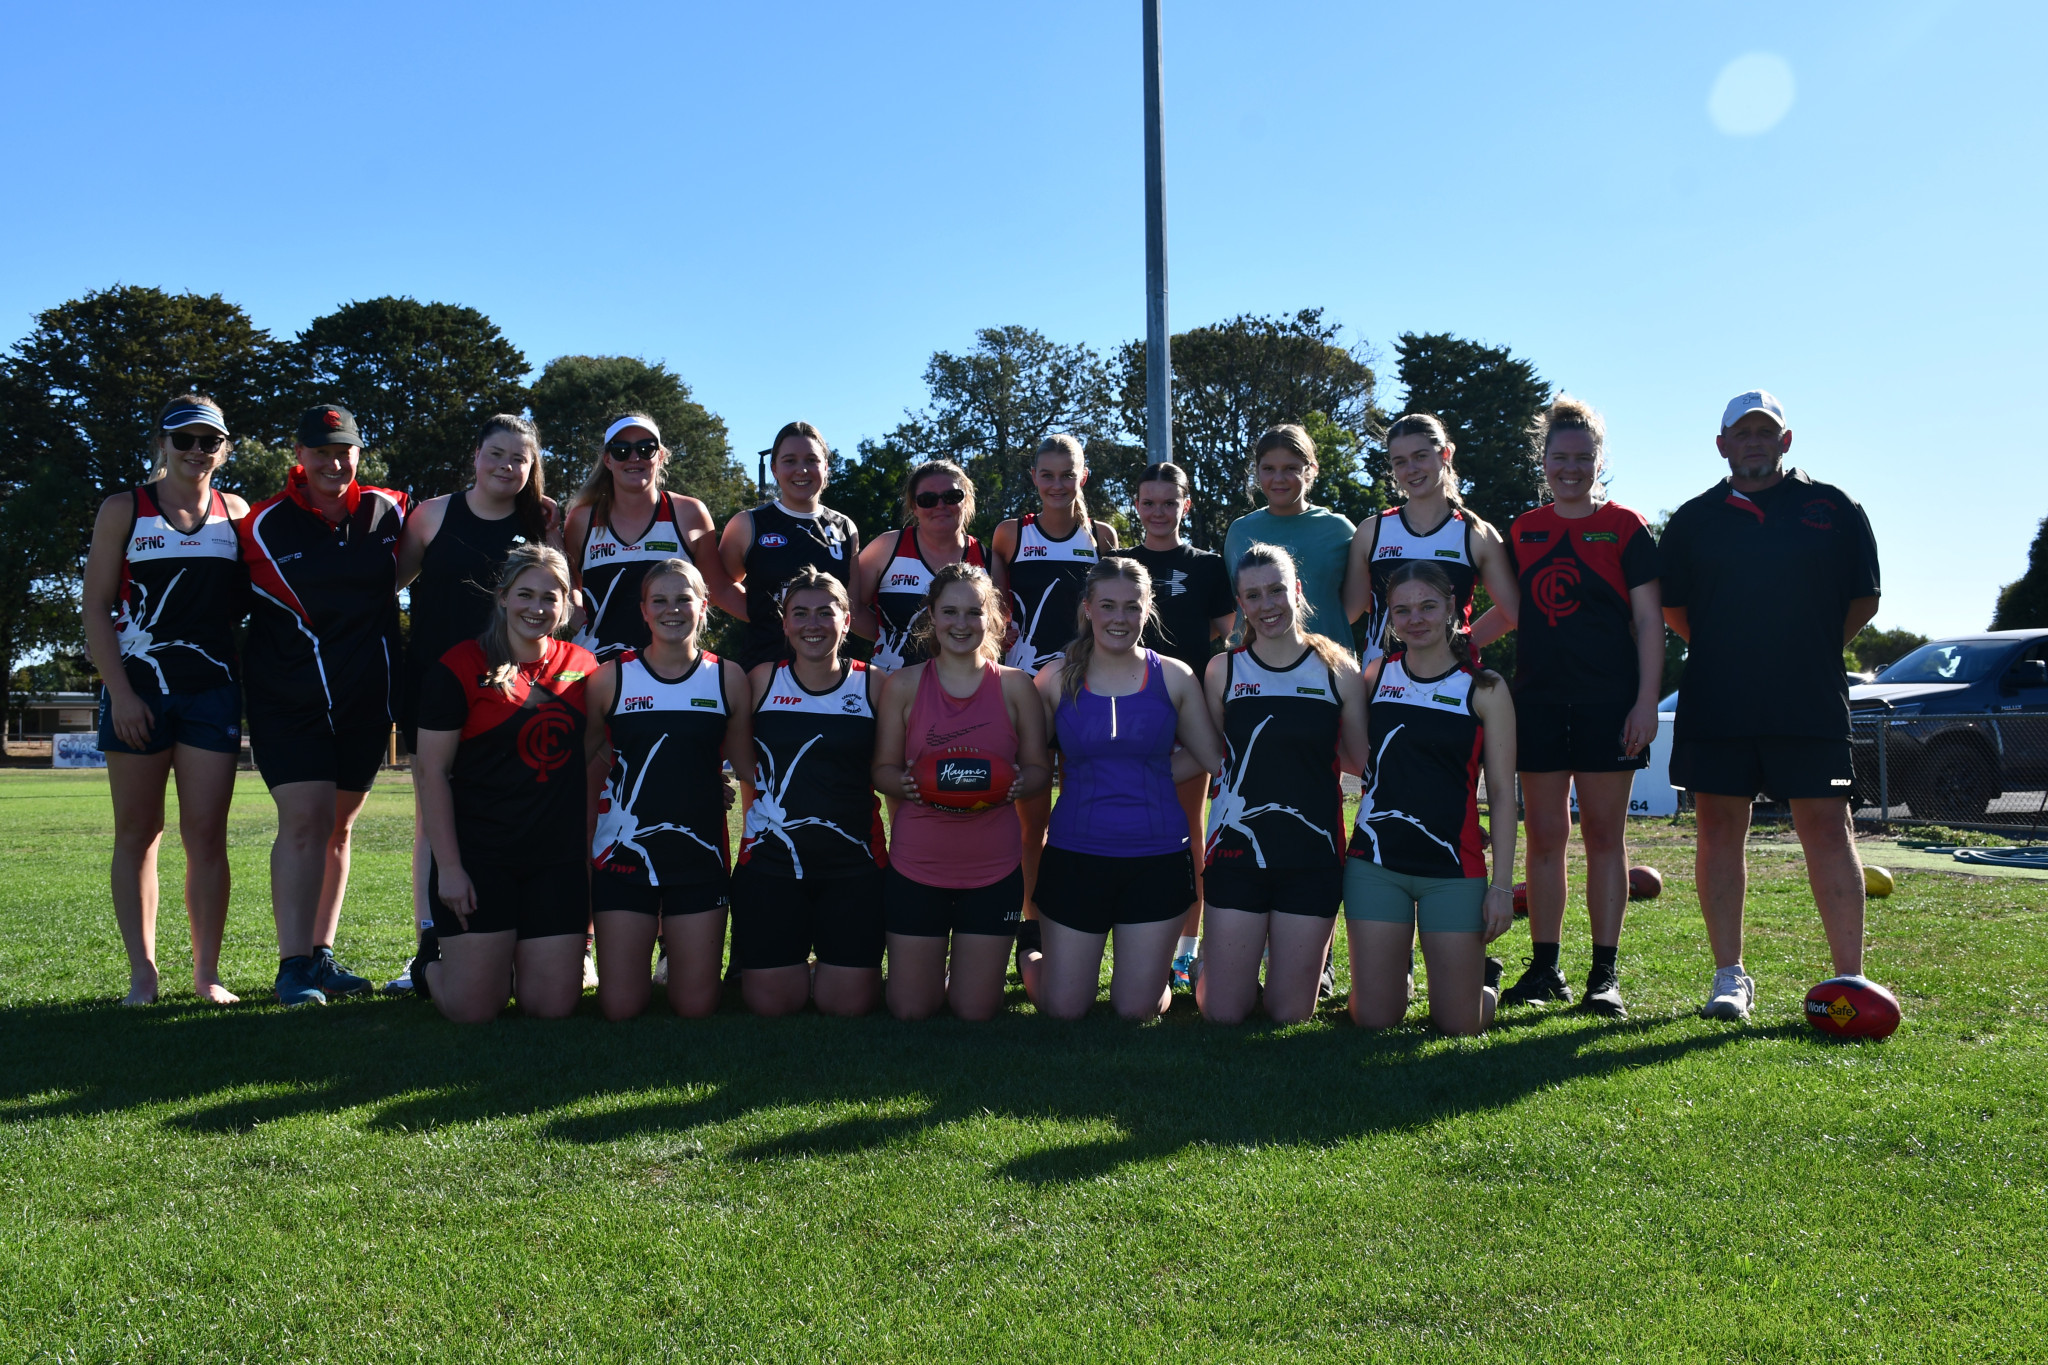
(1555, 589)
(636, 703)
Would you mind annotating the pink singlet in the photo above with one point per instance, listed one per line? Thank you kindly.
(941, 848)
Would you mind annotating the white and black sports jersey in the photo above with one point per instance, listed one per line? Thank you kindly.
(1449, 546)
(662, 813)
(899, 601)
(1277, 802)
(785, 542)
(1419, 812)
(182, 594)
(612, 571)
(1045, 588)
(814, 814)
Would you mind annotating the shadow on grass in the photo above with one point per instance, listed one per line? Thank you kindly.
(1160, 1088)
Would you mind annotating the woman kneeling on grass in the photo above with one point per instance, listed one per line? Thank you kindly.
(1415, 858)
(1116, 855)
(1291, 707)
(674, 715)
(810, 868)
(502, 721)
(952, 874)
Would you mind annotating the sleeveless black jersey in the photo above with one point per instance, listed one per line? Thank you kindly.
(814, 814)
(517, 779)
(1576, 636)
(899, 601)
(662, 813)
(1449, 547)
(1419, 813)
(611, 573)
(323, 625)
(182, 594)
(785, 541)
(1278, 802)
(451, 599)
(1045, 588)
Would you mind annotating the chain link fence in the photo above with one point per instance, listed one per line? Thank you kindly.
(1985, 768)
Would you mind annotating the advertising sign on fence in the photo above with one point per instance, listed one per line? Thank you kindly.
(76, 751)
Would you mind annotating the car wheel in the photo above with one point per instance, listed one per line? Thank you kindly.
(1958, 784)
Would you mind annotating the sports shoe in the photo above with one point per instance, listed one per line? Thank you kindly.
(1187, 969)
(1327, 987)
(1494, 967)
(336, 980)
(1538, 985)
(661, 970)
(298, 982)
(1732, 995)
(590, 971)
(1603, 994)
(400, 984)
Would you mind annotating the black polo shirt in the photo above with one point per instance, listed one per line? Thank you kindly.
(1766, 580)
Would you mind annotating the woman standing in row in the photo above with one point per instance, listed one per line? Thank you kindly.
(896, 567)
(762, 549)
(1283, 471)
(1291, 707)
(164, 590)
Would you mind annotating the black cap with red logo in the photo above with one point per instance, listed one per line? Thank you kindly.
(328, 425)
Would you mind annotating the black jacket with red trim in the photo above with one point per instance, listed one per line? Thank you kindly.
(323, 624)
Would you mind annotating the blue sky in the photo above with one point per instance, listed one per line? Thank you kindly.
(794, 205)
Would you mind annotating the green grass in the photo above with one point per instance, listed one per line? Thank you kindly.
(367, 1182)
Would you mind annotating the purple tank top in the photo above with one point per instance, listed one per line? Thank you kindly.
(1116, 773)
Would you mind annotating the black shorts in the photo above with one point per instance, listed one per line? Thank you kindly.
(302, 745)
(632, 891)
(780, 921)
(210, 720)
(1317, 891)
(1092, 892)
(921, 911)
(1573, 737)
(534, 902)
(1783, 768)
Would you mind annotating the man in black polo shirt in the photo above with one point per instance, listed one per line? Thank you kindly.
(1767, 575)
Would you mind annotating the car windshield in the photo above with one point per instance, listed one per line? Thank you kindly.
(1956, 661)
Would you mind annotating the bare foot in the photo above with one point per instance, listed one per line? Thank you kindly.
(141, 988)
(213, 993)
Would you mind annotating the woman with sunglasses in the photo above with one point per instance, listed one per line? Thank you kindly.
(763, 548)
(621, 524)
(896, 567)
(164, 591)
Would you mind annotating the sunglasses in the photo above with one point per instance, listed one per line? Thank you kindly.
(952, 497)
(628, 450)
(185, 440)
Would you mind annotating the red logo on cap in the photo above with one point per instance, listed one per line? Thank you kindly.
(332, 419)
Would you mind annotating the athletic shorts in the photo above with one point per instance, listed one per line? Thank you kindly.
(1314, 891)
(781, 921)
(919, 911)
(1784, 768)
(308, 746)
(534, 902)
(210, 720)
(1434, 905)
(632, 891)
(1573, 737)
(1093, 893)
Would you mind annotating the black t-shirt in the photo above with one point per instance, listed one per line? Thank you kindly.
(1190, 588)
(1766, 580)
(783, 543)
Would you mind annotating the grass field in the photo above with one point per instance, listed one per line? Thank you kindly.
(366, 1182)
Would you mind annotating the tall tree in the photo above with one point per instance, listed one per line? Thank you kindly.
(577, 395)
(419, 377)
(1232, 381)
(1487, 398)
(2023, 603)
(869, 487)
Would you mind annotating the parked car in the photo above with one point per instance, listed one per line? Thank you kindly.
(1965, 718)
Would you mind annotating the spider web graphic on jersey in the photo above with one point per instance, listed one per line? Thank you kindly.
(137, 636)
(589, 630)
(768, 817)
(890, 644)
(619, 828)
(1367, 812)
(1024, 654)
(1227, 810)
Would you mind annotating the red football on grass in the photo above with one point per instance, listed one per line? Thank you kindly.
(1521, 898)
(1852, 1007)
(963, 778)
(1644, 883)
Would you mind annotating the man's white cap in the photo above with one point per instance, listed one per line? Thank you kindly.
(1756, 400)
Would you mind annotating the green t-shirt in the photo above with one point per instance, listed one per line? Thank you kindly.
(1320, 541)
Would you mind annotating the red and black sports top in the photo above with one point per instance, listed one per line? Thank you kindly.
(518, 774)
(899, 600)
(323, 626)
(1574, 638)
(182, 594)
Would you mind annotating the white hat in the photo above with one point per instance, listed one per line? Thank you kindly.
(1756, 400)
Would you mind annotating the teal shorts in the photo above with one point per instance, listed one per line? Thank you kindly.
(1435, 905)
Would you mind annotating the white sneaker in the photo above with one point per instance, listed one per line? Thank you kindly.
(400, 984)
(1732, 994)
(661, 971)
(589, 972)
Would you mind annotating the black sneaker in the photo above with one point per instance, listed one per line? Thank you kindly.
(1494, 967)
(1603, 995)
(335, 980)
(1538, 985)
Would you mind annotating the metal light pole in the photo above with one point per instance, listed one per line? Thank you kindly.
(1158, 358)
